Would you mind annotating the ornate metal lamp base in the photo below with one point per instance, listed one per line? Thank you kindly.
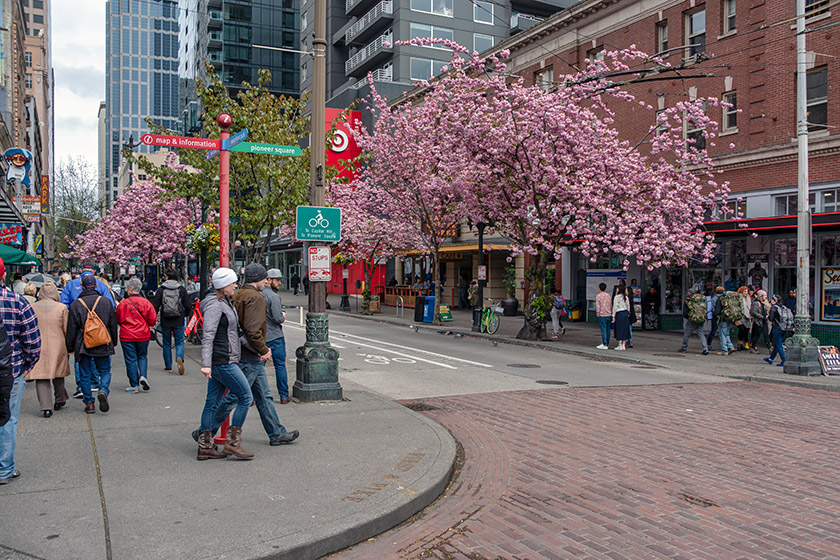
(317, 363)
(801, 349)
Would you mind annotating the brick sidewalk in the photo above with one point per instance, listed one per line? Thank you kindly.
(731, 471)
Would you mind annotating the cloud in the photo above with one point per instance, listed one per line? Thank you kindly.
(87, 82)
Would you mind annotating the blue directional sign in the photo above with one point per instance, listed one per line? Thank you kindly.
(240, 136)
(211, 154)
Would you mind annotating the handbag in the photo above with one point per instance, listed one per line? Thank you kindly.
(151, 329)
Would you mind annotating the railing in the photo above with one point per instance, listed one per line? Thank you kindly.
(379, 75)
(367, 52)
(386, 7)
(350, 4)
(526, 20)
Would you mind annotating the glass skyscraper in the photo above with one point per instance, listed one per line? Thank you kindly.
(141, 75)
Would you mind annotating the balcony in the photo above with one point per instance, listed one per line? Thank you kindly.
(521, 22)
(369, 56)
(215, 19)
(215, 57)
(385, 74)
(357, 7)
(215, 39)
(372, 22)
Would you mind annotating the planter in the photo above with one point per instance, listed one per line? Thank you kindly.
(510, 306)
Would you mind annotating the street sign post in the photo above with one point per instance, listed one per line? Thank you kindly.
(270, 149)
(318, 223)
(319, 264)
(181, 142)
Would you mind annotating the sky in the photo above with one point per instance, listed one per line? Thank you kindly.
(78, 57)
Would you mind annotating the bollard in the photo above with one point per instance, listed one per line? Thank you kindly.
(301, 317)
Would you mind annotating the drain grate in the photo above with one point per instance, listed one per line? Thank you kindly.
(671, 355)
(524, 366)
(551, 382)
(420, 406)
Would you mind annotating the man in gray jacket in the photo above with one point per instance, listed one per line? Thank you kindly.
(274, 339)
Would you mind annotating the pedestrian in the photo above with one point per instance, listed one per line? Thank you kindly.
(728, 310)
(19, 284)
(558, 311)
(306, 284)
(714, 329)
(463, 287)
(782, 320)
(274, 338)
(603, 309)
(220, 353)
(63, 280)
(621, 317)
(759, 311)
(7, 380)
(30, 293)
(631, 295)
(21, 326)
(295, 282)
(135, 314)
(474, 298)
(92, 353)
(53, 366)
(173, 306)
(745, 322)
(731, 285)
(694, 319)
(790, 301)
(650, 310)
(251, 308)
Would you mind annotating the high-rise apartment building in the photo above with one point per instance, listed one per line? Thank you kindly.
(141, 76)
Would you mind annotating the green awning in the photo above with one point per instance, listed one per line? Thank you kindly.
(10, 255)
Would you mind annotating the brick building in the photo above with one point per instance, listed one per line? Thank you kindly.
(749, 52)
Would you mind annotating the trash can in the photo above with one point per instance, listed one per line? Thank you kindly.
(419, 304)
(429, 310)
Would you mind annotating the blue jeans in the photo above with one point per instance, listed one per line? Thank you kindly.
(167, 344)
(226, 377)
(255, 374)
(94, 381)
(724, 330)
(278, 356)
(778, 345)
(711, 336)
(605, 329)
(89, 366)
(136, 354)
(8, 433)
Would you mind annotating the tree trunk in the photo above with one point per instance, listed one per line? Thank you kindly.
(436, 291)
(534, 327)
(368, 266)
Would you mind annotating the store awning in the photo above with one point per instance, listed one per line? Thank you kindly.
(773, 224)
(12, 256)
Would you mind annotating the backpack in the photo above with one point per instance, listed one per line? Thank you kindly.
(696, 309)
(731, 307)
(95, 332)
(560, 304)
(785, 318)
(172, 308)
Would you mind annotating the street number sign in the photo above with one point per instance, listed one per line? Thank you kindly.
(317, 223)
(320, 269)
(237, 138)
(181, 142)
(268, 149)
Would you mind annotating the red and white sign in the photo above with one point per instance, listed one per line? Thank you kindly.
(482, 272)
(181, 142)
(319, 264)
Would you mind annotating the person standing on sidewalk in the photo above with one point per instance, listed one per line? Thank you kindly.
(759, 311)
(558, 310)
(173, 306)
(274, 339)
(220, 353)
(715, 299)
(21, 325)
(603, 308)
(782, 320)
(694, 319)
(136, 314)
(621, 317)
(96, 358)
(53, 366)
(295, 282)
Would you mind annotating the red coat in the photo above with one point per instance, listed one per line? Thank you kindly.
(135, 323)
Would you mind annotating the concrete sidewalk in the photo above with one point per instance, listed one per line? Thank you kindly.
(126, 484)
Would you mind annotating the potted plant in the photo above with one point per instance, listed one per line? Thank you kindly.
(510, 304)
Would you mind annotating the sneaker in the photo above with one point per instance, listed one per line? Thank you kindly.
(602, 347)
(682, 350)
(555, 336)
(167, 369)
(180, 366)
(94, 389)
(780, 364)
(90, 408)
(288, 437)
(14, 475)
(769, 361)
(78, 394)
(144, 383)
(103, 402)
(705, 352)
(132, 389)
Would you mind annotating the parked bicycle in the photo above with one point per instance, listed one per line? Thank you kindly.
(490, 321)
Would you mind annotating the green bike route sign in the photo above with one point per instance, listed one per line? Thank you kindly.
(270, 149)
(317, 223)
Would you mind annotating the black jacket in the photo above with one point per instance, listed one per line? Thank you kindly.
(157, 301)
(74, 339)
(7, 378)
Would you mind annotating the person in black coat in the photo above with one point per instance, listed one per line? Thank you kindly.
(91, 300)
(7, 377)
(295, 282)
(172, 321)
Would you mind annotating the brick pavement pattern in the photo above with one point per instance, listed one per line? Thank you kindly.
(717, 472)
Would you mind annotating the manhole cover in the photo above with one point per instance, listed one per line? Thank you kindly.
(671, 355)
(552, 382)
(644, 367)
(420, 406)
(523, 365)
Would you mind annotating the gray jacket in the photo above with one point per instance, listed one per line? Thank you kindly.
(219, 346)
(274, 314)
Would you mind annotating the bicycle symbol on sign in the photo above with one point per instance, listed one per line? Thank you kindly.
(384, 361)
(319, 221)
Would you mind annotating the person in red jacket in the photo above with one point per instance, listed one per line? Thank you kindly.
(135, 314)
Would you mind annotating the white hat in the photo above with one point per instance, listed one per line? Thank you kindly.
(274, 273)
(223, 277)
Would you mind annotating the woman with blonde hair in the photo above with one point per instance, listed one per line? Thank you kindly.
(30, 291)
(745, 323)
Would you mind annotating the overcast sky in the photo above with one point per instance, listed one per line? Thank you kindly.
(78, 57)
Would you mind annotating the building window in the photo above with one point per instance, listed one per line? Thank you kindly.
(429, 31)
(830, 201)
(439, 7)
(818, 99)
(728, 16)
(36, 18)
(661, 127)
(423, 68)
(304, 71)
(595, 54)
(662, 38)
(303, 21)
(544, 79)
(730, 114)
(482, 42)
(695, 26)
(483, 12)
(695, 139)
(38, 4)
(816, 7)
(733, 210)
(29, 81)
(786, 204)
(27, 57)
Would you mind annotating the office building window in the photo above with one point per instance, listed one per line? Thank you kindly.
(817, 99)
(482, 42)
(662, 38)
(544, 79)
(728, 16)
(36, 18)
(429, 31)
(439, 7)
(695, 26)
(730, 114)
(423, 69)
(27, 57)
(483, 12)
(38, 4)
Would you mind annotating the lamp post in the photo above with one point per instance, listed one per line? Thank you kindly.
(477, 316)
(345, 299)
(317, 361)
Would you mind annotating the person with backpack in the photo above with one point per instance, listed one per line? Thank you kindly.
(694, 319)
(728, 311)
(135, 314)
(558, 310)
(782, 320)
(91, 333)
(174, 309)
(758, 312)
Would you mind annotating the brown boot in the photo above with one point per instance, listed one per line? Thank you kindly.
(233, 444)
(206, 449)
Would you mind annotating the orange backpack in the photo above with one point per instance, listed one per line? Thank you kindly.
(95, 331)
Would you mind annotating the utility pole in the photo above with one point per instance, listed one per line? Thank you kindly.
(317, 361)
(802, 348)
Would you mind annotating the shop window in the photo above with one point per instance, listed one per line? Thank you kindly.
(695, 27)
(662, 38)
(730, 114)
(728, 16)
(830, 251)
(673, 291)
